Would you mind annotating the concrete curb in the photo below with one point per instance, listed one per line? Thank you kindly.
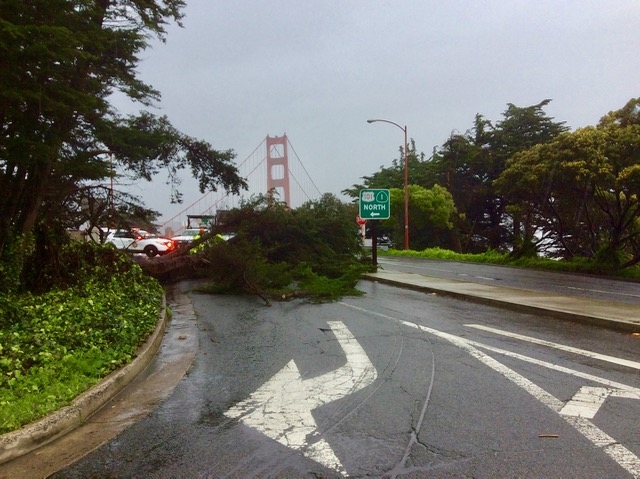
(17, 443)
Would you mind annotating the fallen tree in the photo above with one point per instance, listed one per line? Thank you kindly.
(275, 253)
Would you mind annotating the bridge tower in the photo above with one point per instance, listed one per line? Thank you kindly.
(278, 167)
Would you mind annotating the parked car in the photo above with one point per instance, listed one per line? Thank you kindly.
(187, 236)
(140, 241)
(385, 243)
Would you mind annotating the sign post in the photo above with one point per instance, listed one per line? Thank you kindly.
(374, 204)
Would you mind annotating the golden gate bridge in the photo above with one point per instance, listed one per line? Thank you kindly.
(273, 167)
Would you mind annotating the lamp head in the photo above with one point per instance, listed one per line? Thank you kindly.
(370, 121)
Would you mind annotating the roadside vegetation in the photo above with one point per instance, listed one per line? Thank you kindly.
(69, 313)
(575, 265)
(278, 253)
(526, 186)
(57, 344)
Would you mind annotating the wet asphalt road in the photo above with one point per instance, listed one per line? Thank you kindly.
(579, 285)
(394, 383)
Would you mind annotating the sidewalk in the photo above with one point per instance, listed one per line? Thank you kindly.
(625, 317)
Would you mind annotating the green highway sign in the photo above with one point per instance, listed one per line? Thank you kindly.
(375, 204)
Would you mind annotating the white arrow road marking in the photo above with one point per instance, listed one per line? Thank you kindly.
(281, 407)
(616, 451)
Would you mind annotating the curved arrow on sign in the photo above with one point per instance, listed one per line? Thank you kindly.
(281, 408)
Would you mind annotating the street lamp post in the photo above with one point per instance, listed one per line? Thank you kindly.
(406, 179)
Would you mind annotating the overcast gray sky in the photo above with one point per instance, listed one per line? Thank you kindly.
(244, 69)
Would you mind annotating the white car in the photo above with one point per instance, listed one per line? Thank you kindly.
(139, 241)
(188, 236)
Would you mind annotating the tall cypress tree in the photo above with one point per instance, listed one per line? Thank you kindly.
(61, 62)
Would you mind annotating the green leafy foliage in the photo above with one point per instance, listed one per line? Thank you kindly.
(575, 265)
(278, 253)
(431, 213)
(59, 263)
(321, 288)
(528, 186)
(579, 192)
(12, 262)
(466, 165)
(53, 346)
(62, 61)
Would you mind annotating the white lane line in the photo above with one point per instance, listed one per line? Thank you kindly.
(586, 402)
(616, 451)
(419, 267)
(556, 367)
(583, 352)
(629, 394)
(464, 275)
(588, 399)
(590, 431)
(610, 446)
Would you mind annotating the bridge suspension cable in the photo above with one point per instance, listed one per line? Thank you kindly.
(263, 170)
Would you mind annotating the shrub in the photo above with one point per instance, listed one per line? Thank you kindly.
(64, 264)
(56, 345)
(276, 252)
